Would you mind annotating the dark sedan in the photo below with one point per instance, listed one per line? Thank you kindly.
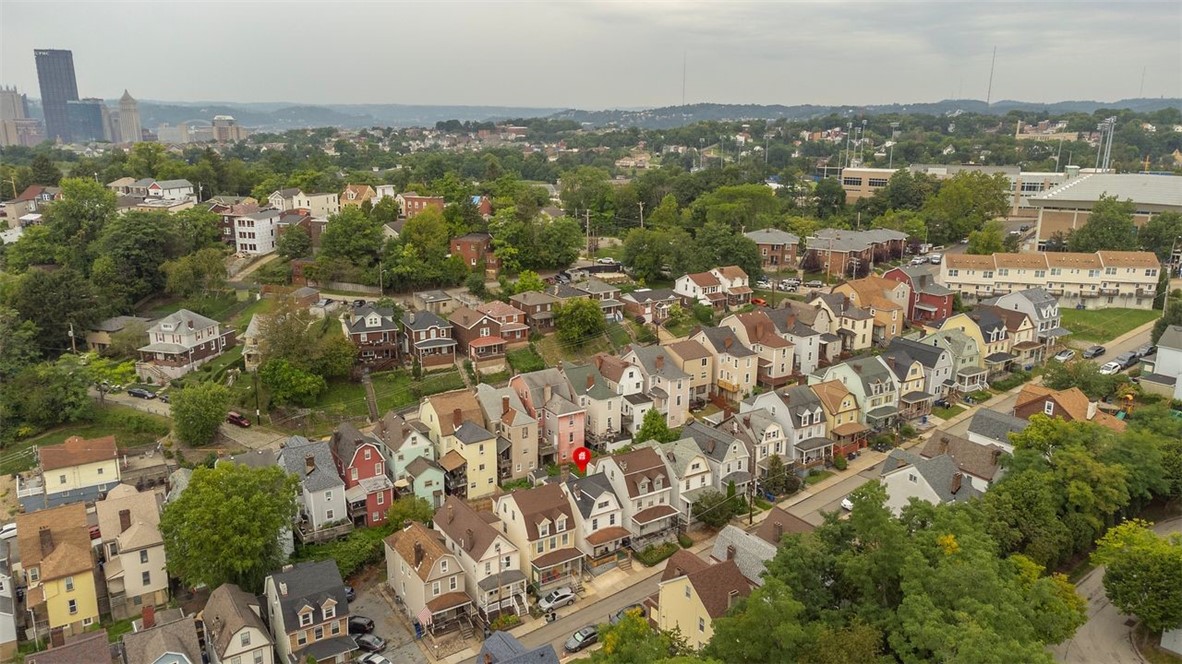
(141, 393)
(371, 642)
(583, 638)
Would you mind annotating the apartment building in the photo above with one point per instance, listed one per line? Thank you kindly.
(1099, 280)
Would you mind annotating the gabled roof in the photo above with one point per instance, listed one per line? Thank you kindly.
(467, 318)
(761, 330)
(470, 433)
(229, 611)
(177, 637)
(1171, 338)
(428, 544)
(499, 310)
(711, 441)
(650, 356)
(800, 399)
(65, 551)
(422, 320)
(420, 465)
(792, 321)
(182, 320)
(704, 279)
(465, 526)
(77, 451)
(939, 472)
(447, 403)
(308, 584)
(504, 648)
(718, 585)
(731, 272)
(723, 340)
(85, 648)
(312, 462)
(779, 523)
(898, 361)
(841, 306)
(144, 513)
(585, 491)
(533, 298)
(587, 380)
(772, 236)
(173, 184)
(688, 349)
(749, 552)
(978, 460)
(678, 454)
(994, 425)
(346, 440)
(831, 393)
(1012, 318)
(492, 403)
(650, 295)
(394, 430)
(546, 502)
(681, 563)
(536, 383)
(1075, 405)
(358, 326)
(925, 353)
(642, 463)
(595, 286)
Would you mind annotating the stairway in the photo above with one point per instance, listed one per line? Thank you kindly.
(625, 564)
(371, 397)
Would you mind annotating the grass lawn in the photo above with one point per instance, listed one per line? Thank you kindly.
(774, 298)
(682, 327)
(524, 360)
(1104, 324)
(618, 335)
(214, 307)
(394, 389)
(554, 351)
(947, 413)
(616, 252)
(260, 306)
(130, 427)
(813, 478)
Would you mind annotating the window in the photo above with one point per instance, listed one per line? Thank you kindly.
(61, 479)
(687, 591)
(328, 514)
(328, 495)
(73, 607)
(147, 578)
(319, 633)
(100, 471)
(144, 556)
(377, 468)
(701, 625)
(611, 520)
(1093, 273)
(953, 273)
(911, 477)
(302, 638)
(330, 611)
(244, 639)
(306, 618)
(877, 182)
(336, 626)
(852, 182)
(34, 575)
(435, 589)
(488, 568)
(1039, 274)
(1109, 270)
(451, 583)
(258, 654)
(353, 474)
(541, 545)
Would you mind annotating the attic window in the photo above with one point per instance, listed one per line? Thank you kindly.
(1048, 407)
(306, 617)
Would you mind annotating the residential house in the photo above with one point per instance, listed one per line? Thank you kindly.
(469, 455)
(562, 422)
(1161, 372)
(374, 332)
(885, 299)
(89, 647)
(256, 233)
(538, 308)
(779, 523)
(763, 436)
(986, 342)
(696, 362)
(173, 190)
(98, 337)
(8, 605)
(427, 480)
(989, 427)
(667, 385)
(627, 380)
(476, 249)
(324, 511)
(356, 194)
(491, 563)
(840, 252)
(649, 305)
(1021, 335)
(402, 441)
(427, 339)
(132, 549)
(504, 648)
(163, 641)
(928, 299)
(640, 480)
(1043, 309)
(318, 205)
(736, 367)
(914, 401)
(30, 201)
(438, 413)
(483, 205)
(510, 321)
(436, 301)
(749, 552)
(693, 593)
(606, 295)
(775, 352)
(75, 471)
(735, 284)
(689, 471)
(938, 365)
(843, 417)
(234, 630)
(728, 458)
(936, 480)
(228, 215)
(981, 464)
(564, 292)
(777, 248)
(541, 524)
(478, 338)
(807, 347)
(1070, 404)
(853, 324)
(427, 578)
(309, 613)
(813, 317)
(799, 413)
(599, 521)
(411, 203)
(700, 288)
(595, 395)
(872, 383)
(252, 353)
(58, 568)
(515, 428)
(969, 373)
(360, 461)
(179, 343)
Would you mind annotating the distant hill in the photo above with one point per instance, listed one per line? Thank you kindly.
(280, 117)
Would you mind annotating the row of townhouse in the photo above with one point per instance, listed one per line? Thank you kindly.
(722, 288)
(836, 252)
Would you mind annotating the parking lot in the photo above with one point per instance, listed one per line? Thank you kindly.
(400, 643)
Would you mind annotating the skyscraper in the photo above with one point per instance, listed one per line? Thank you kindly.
(55, 74)
(86, 120)
(13, 105)
(129, 119)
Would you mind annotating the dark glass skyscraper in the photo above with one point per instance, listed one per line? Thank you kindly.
(55, 73)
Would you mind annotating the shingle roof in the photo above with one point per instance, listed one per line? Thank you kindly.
(678, 453)
(779, 523)
(446, 404)
(831, 393)
(939, 472)
(545, 502)
(85, 648)
(430, 544)
(641, 463)
(717, 584)
(650, 295)
(587, 380)
(77, 451)
(457, 519)
(1171, 338)
(772, 236)
(466, 318)
(309, 583)
(751, 553)
(179, 636)
(386, 323)
(994, 425)
(926, 354)
(681, 563)
(227, 612)
(724, 340)
(470, 433)
(492, 403)
(504, 648)
(144, 509)
(295, 458)
(978, 460)
(69, 542)
(585, 491)
(422, 320)
(711, 442)
(180, 320)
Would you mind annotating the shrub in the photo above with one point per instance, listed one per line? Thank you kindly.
(654, 554)
(839, 462)
(505, 621)
(684, 540)
(908, 431)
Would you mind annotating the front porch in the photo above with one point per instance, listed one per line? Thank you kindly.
(502, 593)
(882, 418)
(998, 363)
(447, 612)
(738, 296)
(915, 405)
(608, 547)
(306, 533)
(556, 568)
(849, 437)
(455, 474)
(815, 451)
(971, 379)
(1029, 354)
(653, 525)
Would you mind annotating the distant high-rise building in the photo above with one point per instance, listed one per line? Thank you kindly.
(129, 119)
(16, 127)
(55, 74)
(227, 130)
(13, 105)
(87, 119)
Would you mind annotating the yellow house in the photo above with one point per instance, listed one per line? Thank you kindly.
(478, 447)
(963, 323)
(1022, 334)
(886, 300)
(842, 416)
(692, 593)
(58, 567)
(78, 470)
(442, 413)
(913, 400)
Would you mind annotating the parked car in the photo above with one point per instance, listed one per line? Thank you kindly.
(942, 403)
(1065, 355)
(370, 642)
(8, 531)
(141, 393)
(1094, 351)
(763, 283)
(1126, 360)
(847, 504)
(936, 259)
(1110, 368)
(759, 301)
(605, 261)
(815, 283)
(237, 420)
(1146, 350)
(582, 638)
(350, 594)
(1024, 227)
(322, 303)
(359, 303)
(360, 625)
(919, 260)
(563, 596)
(373, 658)
(164, 398)
(619, 615)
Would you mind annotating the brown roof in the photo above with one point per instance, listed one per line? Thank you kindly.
(653, 513)
(831, 393)
(143, 508)
(969, 261)
(556, 558)
(498, 309)
(1028, 261)
(545, 502)
(77, 451)
(972, 458)
(717, 584)
(179, 636)
(466, 318)
(681, 563)
(1073, 405)
(448, 601)
(688, 349)
(65, 548)
(1129, 259)
(227, 612)
(704, 279)
(1073, 260)
(430, 547)
(86, 648)
(761, 329)
(445, 405)
(452, 460)
(604, 535)
(732, 272)
(779, 523)
(465, 526)
(610, 366)
(643, 463)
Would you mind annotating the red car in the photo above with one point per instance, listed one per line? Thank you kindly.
(758, 301)
(236, 419)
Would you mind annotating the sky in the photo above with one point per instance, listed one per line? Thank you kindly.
(596, 55)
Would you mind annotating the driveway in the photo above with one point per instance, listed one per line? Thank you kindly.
(829, 499)
(400, 643)
(1105, 637)
(254, 438)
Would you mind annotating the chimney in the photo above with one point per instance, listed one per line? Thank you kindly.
(46, 541)
(590, 381)
(660, 362)
(710, 446)
(778, 529)
(309, 463)
(956, 480)
(564, 472)
(149, 616)
(451, 514)
(995, 455)
(943, 444)
(730, 551)
(547, 392)
(457, 418)
(124, 520)
(283, 588)
(488, 658)
(891, 361)
(731, 598)
(411, 318)
(468, 540)
(190, 324)
(504, 405)
(418, 554)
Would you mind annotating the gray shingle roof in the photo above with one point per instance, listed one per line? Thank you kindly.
(720, 337)
(504, 648)
(647, 356)
(938, 471)
(1171, 338)
(772, 236)
(180, 321)
(387, 324)
(294, 458)
(994, 425)
(751, 552)
(927, 354)
(586, 491)
(422, 320)
(651, 295)
(309, 583)
(711, 442)
(470, 433)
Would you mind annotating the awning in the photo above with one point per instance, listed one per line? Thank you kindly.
(926, 307)
(741, 290)
(654, 514)
(556, 558)
(813, 444)
(448, 601)
(483, 342)
(916, 397)
(434, 343)
(846, 332)
(998, 358)
(452, 461)
(829, 337)
(850, 429)
(605, 535)
(738, 477)
(970, 371)
(328, 648)
(506, 578)
(171, 349)
(1027, 345)
(1057, 332)
(882, 413)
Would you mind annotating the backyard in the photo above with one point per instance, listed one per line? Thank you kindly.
(1101, 325)
(130, 427)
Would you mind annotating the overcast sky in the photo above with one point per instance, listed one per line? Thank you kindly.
(595, 55)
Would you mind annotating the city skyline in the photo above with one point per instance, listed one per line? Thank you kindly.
(602, 55)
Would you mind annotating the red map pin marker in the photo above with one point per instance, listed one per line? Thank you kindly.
(582, 457)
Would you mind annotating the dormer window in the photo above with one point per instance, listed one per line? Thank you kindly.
(306, 617)
(560, 525)
(330, 610)
(658, 482)
(544, 528)
(643, 486)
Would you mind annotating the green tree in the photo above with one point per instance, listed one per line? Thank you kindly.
(778, 479)
(990, 239)
(578, 320)
(198, 411)
(36, 246)
(1084, 375)
(295, 242)
(351, 237)
(45, 395)
(647, 251)
(45, 172)
(830, 197)
(904, 221)
(528, 281)
(77, 220)
(714, 508)
(226, 525)
(964, 203)
(1109, 227)
(290, 385)
(654, 427)
(406, 509)
(1161, 233)
(666, 216)
(133, 246)
(765, 627)
(475, 283)
(18, 343)
(385, 211)
(586, 188)
(1172, 315)
(633, 641)
(334, 356)
(1144, 573)
(195, 228)
(126, 342)
(201, 273)
(56, 302)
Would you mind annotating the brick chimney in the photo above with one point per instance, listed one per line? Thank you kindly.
(149, 616)
(995, 456)
(488, 658)
(418, 554)
(124, 520)
(46, 536)
(726, 343)
(547, 392)
(504, 406)
(590, 381)
(731, 598)
(660, 362)
(451, 514)
(457, 418)
(778, 530)
(730, 551)
(943, 444)
(956, 482)
(309, 463)
(468, 540)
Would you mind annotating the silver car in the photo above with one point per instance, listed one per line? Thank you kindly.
(563, 596)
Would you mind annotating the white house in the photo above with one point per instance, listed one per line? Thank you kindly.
(689, 470)
(642, 483)
(257, 233)
(492, 566)
(322, 491)
(1162, 372)
(936, 480)
(234, 628)
(173, 190)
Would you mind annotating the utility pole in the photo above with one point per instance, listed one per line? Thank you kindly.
(587, 216)
(642, 214)
(73, 343)
(258, 415)
(989, 91)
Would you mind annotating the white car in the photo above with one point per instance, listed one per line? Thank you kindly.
(1110, 368)
(8, 531)
(847, 504)
(1065, 355)
(605, 261)
(373, 658)
(563, 596)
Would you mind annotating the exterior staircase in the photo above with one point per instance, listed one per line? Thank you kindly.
(371, 397)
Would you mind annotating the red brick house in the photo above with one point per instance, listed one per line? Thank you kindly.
(477, 336)
(538, 308)
(777, 248)
(483, 205)
(929, 300)
(375, 334)
(411, 203)
(476, 248)
(514, 329)
(428, 339)
(359, 461)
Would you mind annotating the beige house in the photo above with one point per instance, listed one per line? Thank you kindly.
(541, 524)
(438, 412)
(508, 419)
(860, 183)
(642, 483)
(1099, 280)
(736, 367)
(133, 550)
(491, 564)
(234, 628)
(427, 578)
(850, 322)
(697, 363)
(1022, 334)
(885, 299)
(693, 593)
(776, 353)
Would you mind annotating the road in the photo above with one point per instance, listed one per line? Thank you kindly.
(253, 438)
(829, 499)
(574, 617)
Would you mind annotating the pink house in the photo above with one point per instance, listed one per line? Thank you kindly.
(359, 461)
(562, 422)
